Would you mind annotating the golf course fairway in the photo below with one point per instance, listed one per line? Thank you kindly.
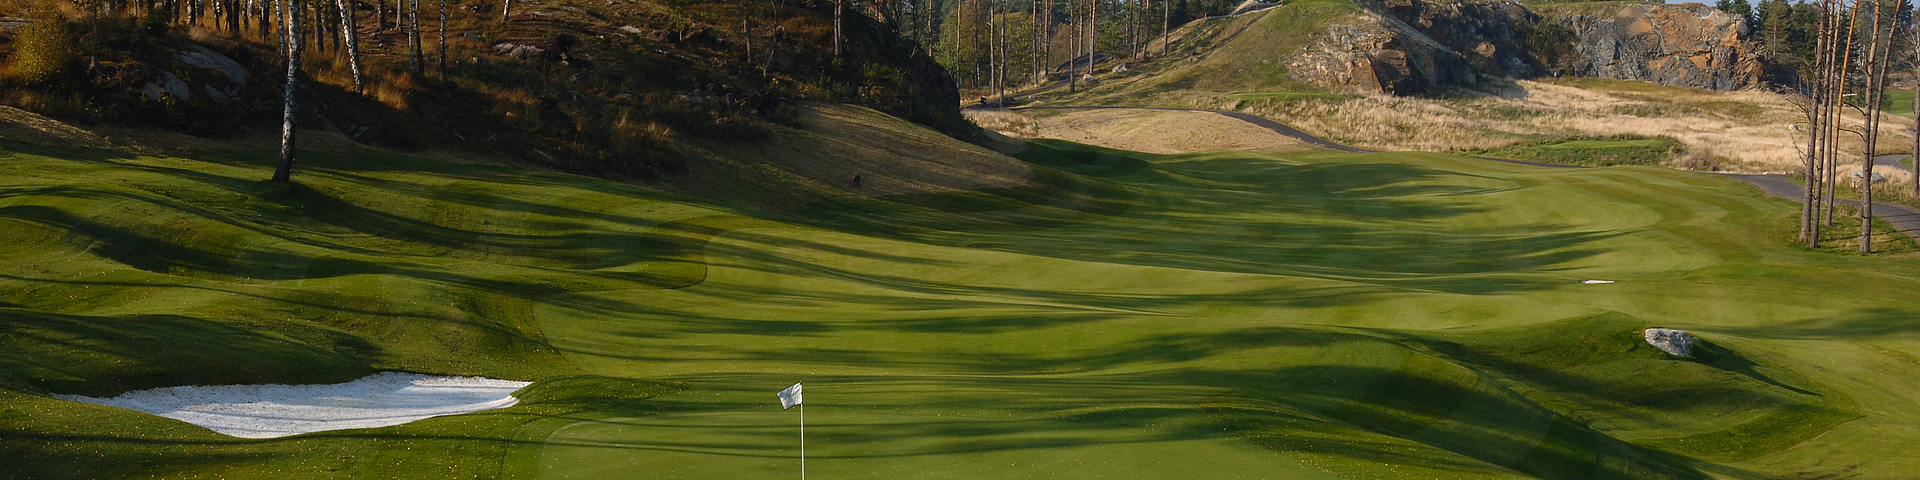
(1276, 315)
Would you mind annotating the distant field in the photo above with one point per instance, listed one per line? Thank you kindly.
(1217, 315)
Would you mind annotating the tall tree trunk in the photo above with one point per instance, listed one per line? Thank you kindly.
(746, 28)
(280, 15)
(506, 10)
(1846, 65)
(1878, 63)
(284, 173)
(1073, 47)
(1093, 32)
(443, 40)
(1033, 53)
(350, 32)
(414, 59)
(838, 5)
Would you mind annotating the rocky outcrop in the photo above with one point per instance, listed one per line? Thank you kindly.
(1489, 35)
(1674, 342)
(1380, 55)
(1405, 47)
(1689, 45)
(202, 90)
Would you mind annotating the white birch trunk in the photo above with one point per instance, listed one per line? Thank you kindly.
(284, 173)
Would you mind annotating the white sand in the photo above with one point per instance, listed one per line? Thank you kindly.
(268, 411)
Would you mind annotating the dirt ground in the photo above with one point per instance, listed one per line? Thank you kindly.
(1148, 131)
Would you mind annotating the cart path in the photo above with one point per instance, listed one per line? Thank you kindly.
(1903, 218)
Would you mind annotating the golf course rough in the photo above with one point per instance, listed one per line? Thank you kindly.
(1215, 315)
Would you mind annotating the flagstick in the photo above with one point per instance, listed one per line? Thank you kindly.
(803, 441)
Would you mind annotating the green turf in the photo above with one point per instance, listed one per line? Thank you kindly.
(1217, 315)
(1898, 103)
(1595, 152)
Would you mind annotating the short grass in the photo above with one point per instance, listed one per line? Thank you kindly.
(1284, 315)
(1899, 103)
(1593, 152)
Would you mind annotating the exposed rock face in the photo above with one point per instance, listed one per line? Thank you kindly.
(1687, 44)
(203, 91)
(1489, 35)
(1381, 55)
(1405, 47)
(1674, 342)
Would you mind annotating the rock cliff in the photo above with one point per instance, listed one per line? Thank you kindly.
(1689, 45)
(1405, 47)
(1380, 55)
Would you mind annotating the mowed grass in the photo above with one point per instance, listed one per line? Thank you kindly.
(1217, 315)
(1592, 152)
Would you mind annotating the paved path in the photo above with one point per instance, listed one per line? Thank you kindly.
(1903, 218)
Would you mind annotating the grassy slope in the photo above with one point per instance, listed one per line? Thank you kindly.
(1304, 315)
(1246, 53)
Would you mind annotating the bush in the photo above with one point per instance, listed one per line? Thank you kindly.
(43, 51)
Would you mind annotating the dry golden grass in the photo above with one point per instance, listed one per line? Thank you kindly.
(1745, 131)
(1151, 131)
(1004, 122)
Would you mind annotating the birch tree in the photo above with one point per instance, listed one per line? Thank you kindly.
(284, 173)
(350, 32)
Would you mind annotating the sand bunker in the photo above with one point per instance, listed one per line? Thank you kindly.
(268, 411)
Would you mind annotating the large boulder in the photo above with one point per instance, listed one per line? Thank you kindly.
(1674, 342)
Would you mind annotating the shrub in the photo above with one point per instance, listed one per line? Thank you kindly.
(43, 51)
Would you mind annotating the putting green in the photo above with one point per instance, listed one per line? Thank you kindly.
(861, 445)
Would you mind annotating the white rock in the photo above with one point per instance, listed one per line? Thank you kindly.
(1672, 341)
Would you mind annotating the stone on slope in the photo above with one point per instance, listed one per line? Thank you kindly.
(1672, 341)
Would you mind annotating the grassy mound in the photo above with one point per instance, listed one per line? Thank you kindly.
(1296, 314)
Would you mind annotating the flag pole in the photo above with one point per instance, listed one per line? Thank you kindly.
(803, 441)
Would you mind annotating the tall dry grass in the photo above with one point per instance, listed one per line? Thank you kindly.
(1745, 131)
(1004, 122)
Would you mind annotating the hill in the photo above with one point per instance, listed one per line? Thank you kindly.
(1274, 62)
(622, 90)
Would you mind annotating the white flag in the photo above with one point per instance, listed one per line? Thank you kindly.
(790, 397)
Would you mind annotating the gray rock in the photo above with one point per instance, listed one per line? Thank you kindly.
(167, 85)
(519, 51)
(1688, 45)
(199, 56)
(1675, 342)
(1405, 47)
